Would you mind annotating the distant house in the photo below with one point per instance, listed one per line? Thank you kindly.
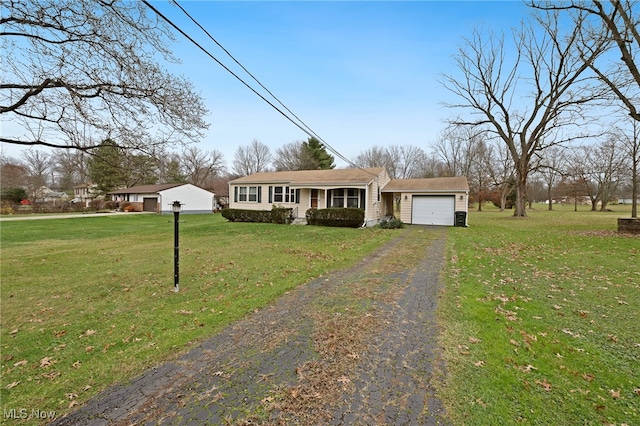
(159, 198)
(84, 193)
(47, 195)
(421, 201)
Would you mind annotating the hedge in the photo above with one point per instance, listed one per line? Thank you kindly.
(275, 215)
(343, 217)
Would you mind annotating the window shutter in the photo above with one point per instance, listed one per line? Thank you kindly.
(270, 194)
(363, 199)
(235, 194)
(297, 196)
(259, 194)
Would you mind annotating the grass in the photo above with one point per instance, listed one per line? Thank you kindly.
(541, 319)
(89, 302)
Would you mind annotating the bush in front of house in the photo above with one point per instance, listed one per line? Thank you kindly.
(341, 217)
(392, 223)
(276, 215)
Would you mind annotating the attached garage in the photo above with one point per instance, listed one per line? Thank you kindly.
(434, 201)
(433, 210)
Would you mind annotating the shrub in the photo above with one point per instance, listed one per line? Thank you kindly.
(391, 223)
(13, 195)
(275, 215)
(342, 217)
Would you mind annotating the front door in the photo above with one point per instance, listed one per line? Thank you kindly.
(314, 198)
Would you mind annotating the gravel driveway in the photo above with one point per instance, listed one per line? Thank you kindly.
(356, 347)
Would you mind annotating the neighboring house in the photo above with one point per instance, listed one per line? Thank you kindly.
(84, 193)
(370, 189)
(159, 198)
(47, 195)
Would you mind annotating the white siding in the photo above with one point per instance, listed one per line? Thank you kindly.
(193, 198)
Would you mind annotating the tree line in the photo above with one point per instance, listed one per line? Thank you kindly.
(87, 76)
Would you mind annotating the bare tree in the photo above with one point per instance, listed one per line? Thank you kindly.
(552, 167)
(293, 156)
(401, 161)
(531, 96)
(90, 66)
(13, 173)
(601, 167)
(253, 158)
(616, 25)
(38, 164)
(456, 148)
(630, 139)
(202, 168)
(501, 171)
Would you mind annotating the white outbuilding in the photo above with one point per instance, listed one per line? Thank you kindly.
(159, 198)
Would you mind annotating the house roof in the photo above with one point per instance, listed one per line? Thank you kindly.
(146, 189)
(457, 183)
(312, 177)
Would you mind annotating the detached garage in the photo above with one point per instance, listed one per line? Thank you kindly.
(434, 201)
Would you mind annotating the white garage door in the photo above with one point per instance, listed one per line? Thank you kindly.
(433, 210)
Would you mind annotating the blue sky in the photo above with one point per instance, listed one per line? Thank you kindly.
(358, 73)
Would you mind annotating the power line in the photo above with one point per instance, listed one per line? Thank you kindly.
(306, 129)
(262, 85)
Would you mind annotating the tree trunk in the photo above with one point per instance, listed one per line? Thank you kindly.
(521, 189)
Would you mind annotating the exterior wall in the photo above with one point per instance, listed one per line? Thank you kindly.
(406, 206)
(193, 198)
(376, 206)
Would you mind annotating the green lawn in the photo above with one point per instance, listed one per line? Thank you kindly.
(541, 319)
(88, 302)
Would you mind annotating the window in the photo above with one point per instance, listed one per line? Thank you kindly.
(250, 194)
(337, 198)
(352, 197)
(284, 194)
(277, 194)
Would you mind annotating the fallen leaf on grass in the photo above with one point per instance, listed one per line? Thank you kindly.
(12, 385)
(545, 385)
(474, 340)
(614, 394)
(588, 377)
(637, 391)
(479, 363)
(20, 363)
(46, 362)
(15, 331)
(76, 364)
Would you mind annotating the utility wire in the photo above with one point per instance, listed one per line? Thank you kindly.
(306, 130)
(338, 154)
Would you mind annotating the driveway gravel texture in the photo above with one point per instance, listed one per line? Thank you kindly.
(354, 347)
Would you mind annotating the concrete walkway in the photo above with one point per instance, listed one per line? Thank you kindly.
(356, 347)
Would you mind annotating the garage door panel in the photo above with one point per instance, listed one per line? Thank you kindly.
(433, 210)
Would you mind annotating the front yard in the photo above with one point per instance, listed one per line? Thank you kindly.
(541, 320)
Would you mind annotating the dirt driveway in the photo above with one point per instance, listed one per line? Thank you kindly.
(356, 347)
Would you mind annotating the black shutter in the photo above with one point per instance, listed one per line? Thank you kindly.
(363, 199)
(235, 194)
(297, 196)
(270, 194)
(259, 194)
